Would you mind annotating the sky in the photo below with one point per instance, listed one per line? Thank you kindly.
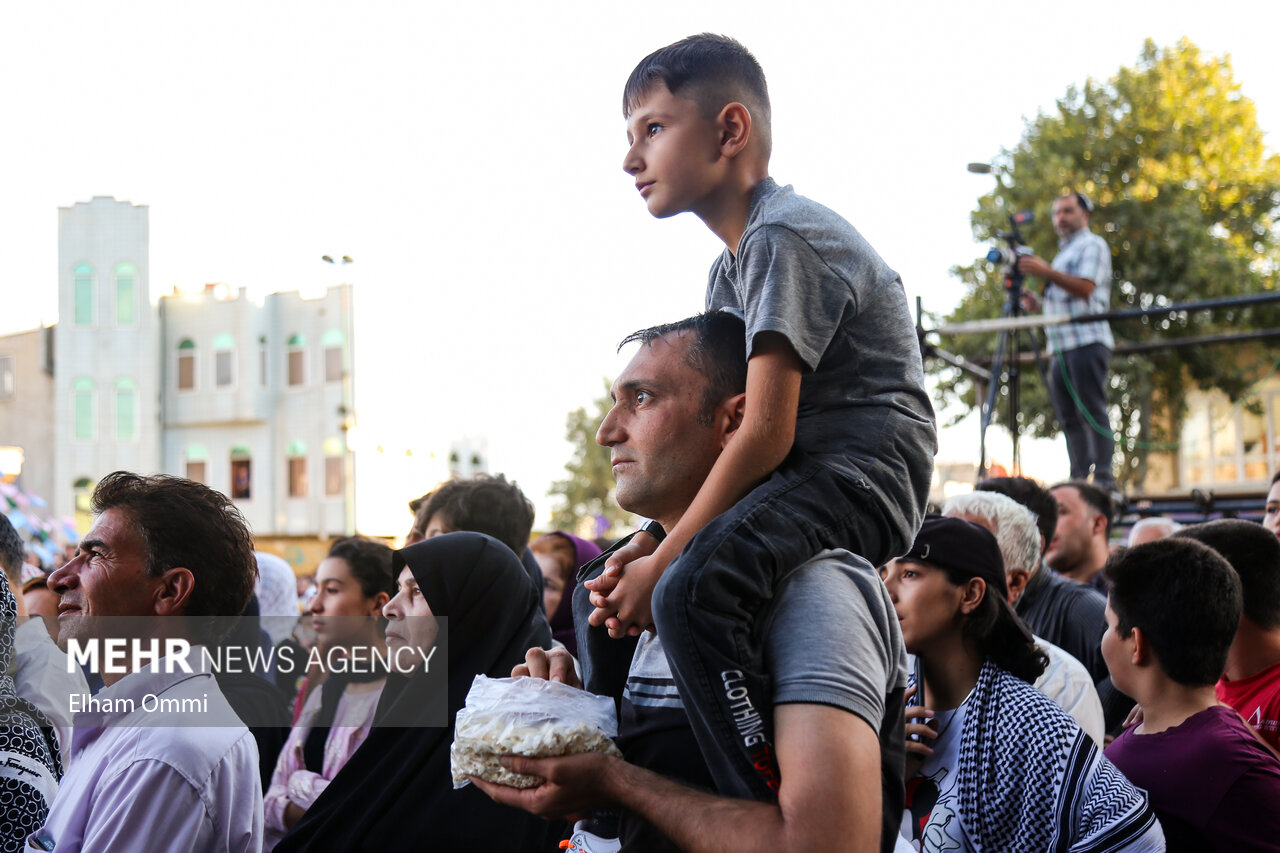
(468, 157)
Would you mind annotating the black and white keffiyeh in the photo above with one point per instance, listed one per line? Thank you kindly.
(1031, 779)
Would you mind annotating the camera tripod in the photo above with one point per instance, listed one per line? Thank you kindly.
(1008, 349)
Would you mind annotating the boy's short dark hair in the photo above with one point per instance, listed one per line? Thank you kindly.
(718, 352)
(1254, 552)
(369, 562)
(1094, 497)
(709, 69)
(187, 524)
(1033, 496)
(1186, 599)
(484, 504)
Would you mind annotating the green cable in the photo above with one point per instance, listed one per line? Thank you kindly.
(1134, 443)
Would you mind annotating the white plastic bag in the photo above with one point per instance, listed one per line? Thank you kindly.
(526, 716)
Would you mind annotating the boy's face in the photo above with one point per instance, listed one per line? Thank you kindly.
(1117, 651)
(673, 153)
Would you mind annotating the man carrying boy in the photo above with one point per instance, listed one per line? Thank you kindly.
(836, 444)
(1171, 618)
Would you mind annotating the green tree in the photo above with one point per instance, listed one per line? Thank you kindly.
(587, 494)
(1186, 196)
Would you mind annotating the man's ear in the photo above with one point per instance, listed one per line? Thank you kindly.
(729, 417)
(1017, 581)
(735, 129)
(1099, 524)
(174, 591)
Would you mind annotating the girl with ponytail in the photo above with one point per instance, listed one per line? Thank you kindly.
(992, 763)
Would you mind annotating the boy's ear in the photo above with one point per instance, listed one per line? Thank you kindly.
(735, 129)
(1140, 650)
(729, 417)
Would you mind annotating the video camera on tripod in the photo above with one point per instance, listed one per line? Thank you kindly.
(1007, 256)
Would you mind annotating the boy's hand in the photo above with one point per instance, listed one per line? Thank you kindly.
(601, 587)
(628, 609)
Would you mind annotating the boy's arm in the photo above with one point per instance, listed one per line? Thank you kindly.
(759, 445)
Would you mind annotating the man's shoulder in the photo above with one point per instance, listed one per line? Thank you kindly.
(1077, 595)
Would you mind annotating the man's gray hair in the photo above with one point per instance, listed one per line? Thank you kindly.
(1012, 523)
(1159, 527)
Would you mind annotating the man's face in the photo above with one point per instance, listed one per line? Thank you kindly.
(1068, 216)
(660, 453)
(1271, 514)
(673, 153)
(107, 578)
(1073, 537)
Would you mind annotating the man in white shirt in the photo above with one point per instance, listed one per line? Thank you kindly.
(159, 761)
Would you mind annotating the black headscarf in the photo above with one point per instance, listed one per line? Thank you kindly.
(395, 793)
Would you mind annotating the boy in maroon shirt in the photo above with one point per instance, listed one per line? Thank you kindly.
(1171, 617)
(1251, 683)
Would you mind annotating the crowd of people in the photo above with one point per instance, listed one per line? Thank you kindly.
(801, 655)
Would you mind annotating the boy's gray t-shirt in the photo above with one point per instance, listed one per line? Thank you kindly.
(806, 273)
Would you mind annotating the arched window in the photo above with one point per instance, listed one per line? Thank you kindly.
(224, 360)
(297, 360)
(241, 473)
(333, 343)
(83, 293)
(126, 294)
(126, 410)
(186, 364)
(85, 406)
(335, 474)
(197, 457)
(297, 462)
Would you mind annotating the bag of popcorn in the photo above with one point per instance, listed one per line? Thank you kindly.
(526, 716)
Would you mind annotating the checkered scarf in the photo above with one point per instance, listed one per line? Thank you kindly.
(1031, 779)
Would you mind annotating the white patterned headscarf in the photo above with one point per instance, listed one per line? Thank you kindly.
(29, 763)
(277, 592)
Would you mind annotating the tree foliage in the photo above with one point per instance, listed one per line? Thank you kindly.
(586, 497)
(1186, 196)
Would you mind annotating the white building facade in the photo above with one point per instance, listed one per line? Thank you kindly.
(254, 399)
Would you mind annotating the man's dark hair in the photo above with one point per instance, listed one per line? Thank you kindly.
(187, 524)
(718, 353)
(1099, 500)
(1254, 552)
(1186, 599)
(709, 69)
(416, 503)
(484, 504)
(369, 561)
(11, 551)
(1033, 496)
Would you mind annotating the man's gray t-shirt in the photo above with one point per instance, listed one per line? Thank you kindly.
(804, 272)
(831, 637)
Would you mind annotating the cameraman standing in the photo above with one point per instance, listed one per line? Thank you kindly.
(1078, 282)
